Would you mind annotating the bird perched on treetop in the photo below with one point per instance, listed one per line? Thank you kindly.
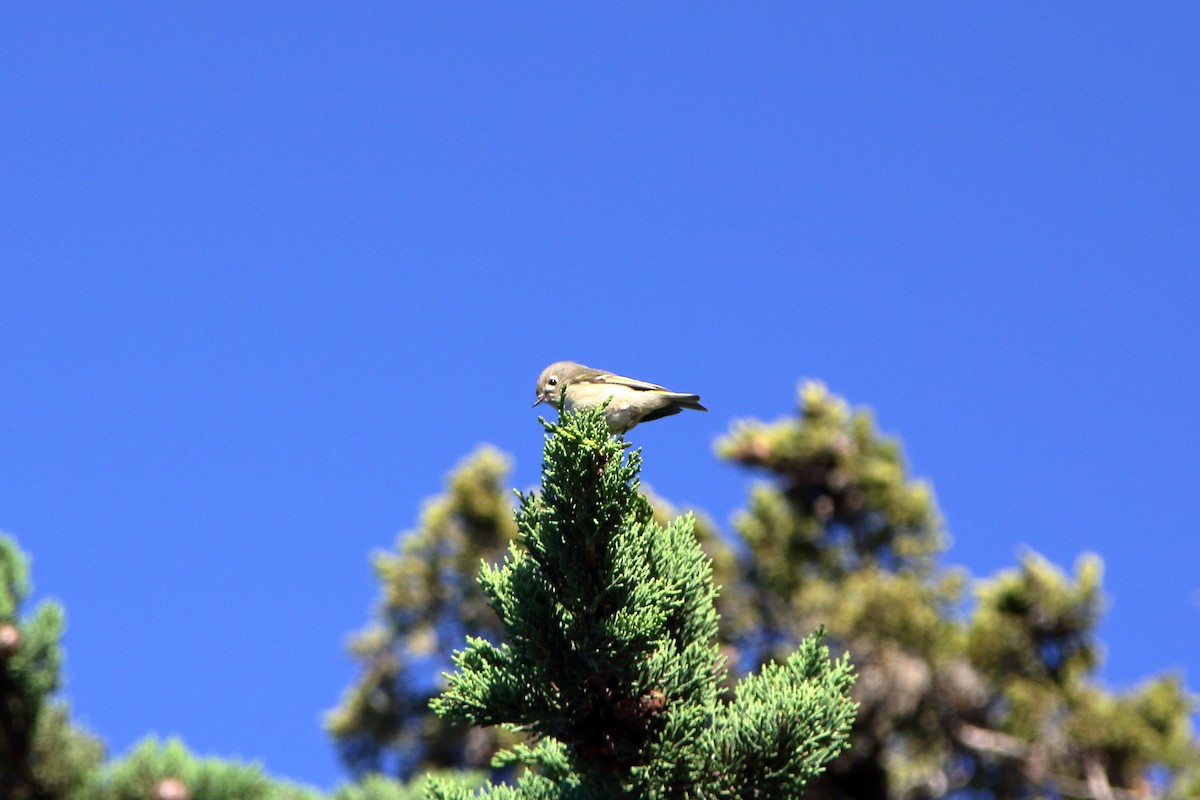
(633, 401)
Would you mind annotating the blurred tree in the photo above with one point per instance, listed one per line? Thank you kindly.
(1004, 702)
(42, 756)
(157, 770)
(430, 602)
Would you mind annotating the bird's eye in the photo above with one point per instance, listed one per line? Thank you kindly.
(553, 381)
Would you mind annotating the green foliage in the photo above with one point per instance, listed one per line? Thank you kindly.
(1033, 625)
(610, 658)
(846, 505)
(167, 769)
(781, 728)
(1032, 638)
(42, 756)
(65, 756)
(430, 601)
(377, 787)
(1003, 701)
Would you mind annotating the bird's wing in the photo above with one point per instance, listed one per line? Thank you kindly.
(620, 380)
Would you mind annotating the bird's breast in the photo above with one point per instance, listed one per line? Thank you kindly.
(624, 410)
(591, 395)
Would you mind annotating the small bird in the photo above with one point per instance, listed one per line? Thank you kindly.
(632, 401)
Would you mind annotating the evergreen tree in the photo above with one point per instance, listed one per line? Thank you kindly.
(42, 756)
(157, 770)
(429, 602)
(167, 771)
(1004, 702)
(610, 657)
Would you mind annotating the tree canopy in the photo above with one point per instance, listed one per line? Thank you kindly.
(592, 648)
(965, 683)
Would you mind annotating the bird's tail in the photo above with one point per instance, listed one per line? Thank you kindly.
(686, 400)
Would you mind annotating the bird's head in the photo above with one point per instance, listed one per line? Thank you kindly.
(552, 380)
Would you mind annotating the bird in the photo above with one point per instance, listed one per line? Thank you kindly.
(633, 401)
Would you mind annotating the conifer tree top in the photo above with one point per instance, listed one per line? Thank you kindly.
(610, 655)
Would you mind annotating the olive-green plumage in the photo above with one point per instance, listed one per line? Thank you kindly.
(633, 401)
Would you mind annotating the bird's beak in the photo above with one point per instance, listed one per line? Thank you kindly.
(539, 400)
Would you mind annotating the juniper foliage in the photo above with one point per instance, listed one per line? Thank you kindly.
(610, 656)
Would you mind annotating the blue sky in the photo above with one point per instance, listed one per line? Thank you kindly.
(270, 271)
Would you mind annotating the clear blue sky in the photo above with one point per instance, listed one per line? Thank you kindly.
(267, 273)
